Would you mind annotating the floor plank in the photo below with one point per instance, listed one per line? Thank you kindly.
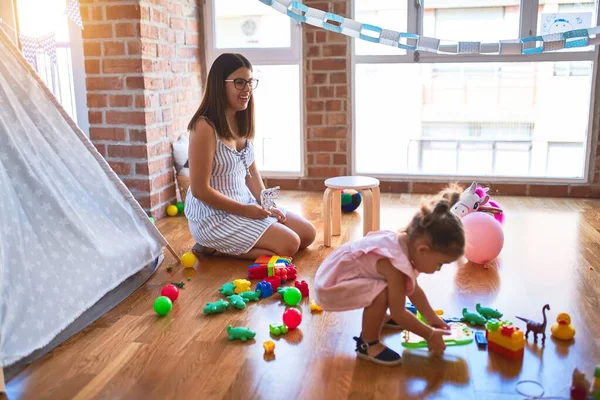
(551, 255)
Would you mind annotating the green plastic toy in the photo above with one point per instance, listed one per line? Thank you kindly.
(227, 289)
(238, 301)
(216, 307)
(488, 312)
(180, 206)
(278, 329)
(460, 334)
(473, 318)
(250, 295)
(240, 333)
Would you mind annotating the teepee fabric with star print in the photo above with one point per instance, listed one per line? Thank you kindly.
(69, 232)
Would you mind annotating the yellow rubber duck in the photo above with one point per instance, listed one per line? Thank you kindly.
(562, 329)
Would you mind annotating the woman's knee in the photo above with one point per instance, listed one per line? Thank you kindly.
(288, 245)
(307, 235)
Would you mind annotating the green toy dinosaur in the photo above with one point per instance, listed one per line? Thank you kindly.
(227, 289)
(238, 301)
(216, 307)
(473, 318)
(278, 329)
(488, 312)
(250, 295)
(240, 333)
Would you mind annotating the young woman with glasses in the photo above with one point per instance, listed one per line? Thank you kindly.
(223, 201)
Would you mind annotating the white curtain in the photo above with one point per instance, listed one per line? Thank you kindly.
(69, 230)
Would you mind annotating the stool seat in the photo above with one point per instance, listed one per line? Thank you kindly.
(352, 182)
(332, 205)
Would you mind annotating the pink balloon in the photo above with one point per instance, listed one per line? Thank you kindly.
(484, 237)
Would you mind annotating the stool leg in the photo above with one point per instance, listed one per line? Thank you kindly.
(367, 210)
(327, 197)
(376, 209)
(336, 204)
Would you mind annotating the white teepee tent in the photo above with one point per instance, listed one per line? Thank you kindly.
(71, 233)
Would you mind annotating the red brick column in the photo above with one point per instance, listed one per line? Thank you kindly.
(143, 84)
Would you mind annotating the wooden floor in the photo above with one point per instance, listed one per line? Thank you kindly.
(551, 255)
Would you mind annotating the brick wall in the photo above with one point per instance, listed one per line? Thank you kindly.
(143, 84)
(328, 129)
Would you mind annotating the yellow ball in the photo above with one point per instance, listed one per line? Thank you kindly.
(172, 210)
(188, 260)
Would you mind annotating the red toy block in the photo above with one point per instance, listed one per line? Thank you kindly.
(291, 272)
(513, 355)
(274, 281)
(303, 287)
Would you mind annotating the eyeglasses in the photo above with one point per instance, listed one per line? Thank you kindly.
(240, 83)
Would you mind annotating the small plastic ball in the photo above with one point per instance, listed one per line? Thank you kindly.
(292, 317)
(180, 206)
(292, 296)
(152, 220)
(170, 291)
(172, 210)
(188, 260)
(162, 305)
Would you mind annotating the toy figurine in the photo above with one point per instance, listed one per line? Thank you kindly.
(473, 318)
(238, 301)
(269, 347)
(216, 307)
(278, 329)
(536, 327)
(487, 312)
(314, 307)
(251, 295)
(240, 333)
(227, 289)
(562, 329)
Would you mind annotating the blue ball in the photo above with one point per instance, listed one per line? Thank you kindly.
(351, 200)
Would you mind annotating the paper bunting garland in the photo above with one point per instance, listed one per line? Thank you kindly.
(553, 42)
(30, 46)
(74, 13)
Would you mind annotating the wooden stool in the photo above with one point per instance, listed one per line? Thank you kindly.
(332, 205)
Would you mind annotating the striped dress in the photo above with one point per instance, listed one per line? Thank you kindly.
(217, 229)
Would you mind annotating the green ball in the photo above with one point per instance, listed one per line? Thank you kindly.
(292, 296)
(152, 220)
(180, 206)
(162, 305)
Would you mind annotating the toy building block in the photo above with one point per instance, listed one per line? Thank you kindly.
(278, 329)
(505, 339)
(596, 384)
(303, 287)
(272, 260)
(314, 307)
(265, 289)
(274, 281)
(241, 285)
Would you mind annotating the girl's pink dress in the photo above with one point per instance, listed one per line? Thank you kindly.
(348, 278)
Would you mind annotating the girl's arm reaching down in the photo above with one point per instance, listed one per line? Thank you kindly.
(396, 282)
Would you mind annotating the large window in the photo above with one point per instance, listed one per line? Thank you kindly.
(492, 116)
(66, 77)
(272, 43)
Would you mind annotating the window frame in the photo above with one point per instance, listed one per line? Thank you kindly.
(265, 57)
(528, 10)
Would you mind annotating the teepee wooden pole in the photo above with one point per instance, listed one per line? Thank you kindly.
(2, 384)
(174, 253)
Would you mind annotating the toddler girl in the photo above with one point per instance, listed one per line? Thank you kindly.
(380, 270)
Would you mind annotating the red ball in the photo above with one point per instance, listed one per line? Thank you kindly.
(171, 291)
(292, 317)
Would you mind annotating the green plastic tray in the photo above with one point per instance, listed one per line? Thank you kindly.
(461, 335)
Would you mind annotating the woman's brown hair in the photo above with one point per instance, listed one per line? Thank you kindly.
(439, 224)
(214, 102)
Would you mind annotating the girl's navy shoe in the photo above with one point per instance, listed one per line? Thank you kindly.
(387, 357)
